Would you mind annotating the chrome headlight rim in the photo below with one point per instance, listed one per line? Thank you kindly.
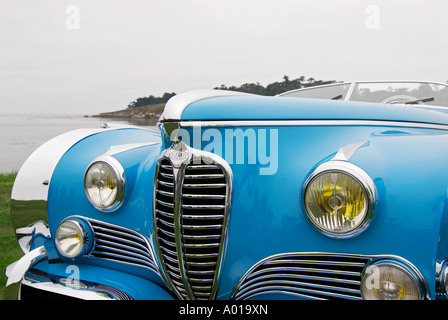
(120, 176)
(86, 239)
(404, 266)
(365, 181)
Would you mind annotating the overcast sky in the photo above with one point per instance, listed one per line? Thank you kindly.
(91, 56)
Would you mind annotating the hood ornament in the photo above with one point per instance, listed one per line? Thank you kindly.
(178, 154)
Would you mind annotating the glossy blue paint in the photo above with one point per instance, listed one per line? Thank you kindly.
(280, 108)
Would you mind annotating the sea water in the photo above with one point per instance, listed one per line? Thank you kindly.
(20, 135)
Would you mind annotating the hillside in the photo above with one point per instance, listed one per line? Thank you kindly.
(145, 112)
(151, 107)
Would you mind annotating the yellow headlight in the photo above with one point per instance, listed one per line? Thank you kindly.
(338, 199)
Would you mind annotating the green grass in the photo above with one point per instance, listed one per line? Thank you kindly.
(9, 248)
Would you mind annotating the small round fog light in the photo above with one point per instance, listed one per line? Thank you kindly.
(71, 238)
(390, 281)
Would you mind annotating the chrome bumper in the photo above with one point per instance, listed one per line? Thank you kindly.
(16, 272)
(21, 279)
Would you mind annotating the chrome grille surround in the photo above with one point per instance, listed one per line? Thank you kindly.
(192, 191)
(315, 275)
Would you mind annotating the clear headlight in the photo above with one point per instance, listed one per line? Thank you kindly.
(339, 199)
(71, 238)
(391, 281)
(104, 184)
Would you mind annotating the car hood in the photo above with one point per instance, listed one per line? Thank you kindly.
(227, 105)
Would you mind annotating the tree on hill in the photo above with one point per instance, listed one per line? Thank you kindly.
(275, 88)
(151, 100)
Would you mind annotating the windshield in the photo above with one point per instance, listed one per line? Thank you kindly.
(411, 93)
(333, 91)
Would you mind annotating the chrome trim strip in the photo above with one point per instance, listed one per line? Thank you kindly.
(259, 123)
(204, 185)
(203, 196)
(346, 152)
(350, 91)
(203, 206)
(427, 106)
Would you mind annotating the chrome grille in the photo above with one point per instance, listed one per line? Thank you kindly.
(191, 208)
(120, 244)
(307, 275)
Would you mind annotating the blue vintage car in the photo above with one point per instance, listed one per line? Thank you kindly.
(331, 192)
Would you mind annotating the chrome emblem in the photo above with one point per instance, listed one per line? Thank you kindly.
(178, 154)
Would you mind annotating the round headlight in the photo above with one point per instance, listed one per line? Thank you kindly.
(71, 238)
(339, 199)
(104, 184)
(391, 281)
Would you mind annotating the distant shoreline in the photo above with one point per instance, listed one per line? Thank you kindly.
(146, 112)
